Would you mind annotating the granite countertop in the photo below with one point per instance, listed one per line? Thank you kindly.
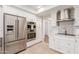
(67, 37)
(66, 34)
(0, 39)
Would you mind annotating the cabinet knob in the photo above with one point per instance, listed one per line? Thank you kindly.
(75, 40)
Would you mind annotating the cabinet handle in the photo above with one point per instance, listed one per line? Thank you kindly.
(69, 44)
(75, 40)
(68, 51)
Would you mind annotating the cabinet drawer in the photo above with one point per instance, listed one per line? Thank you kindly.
(64, 49)
(68, 50)
(69, 44)
(59, 42)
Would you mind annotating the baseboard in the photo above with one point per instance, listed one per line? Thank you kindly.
(57, 51)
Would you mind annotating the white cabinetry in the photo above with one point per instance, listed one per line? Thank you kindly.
(77, 50)
(1, 23)
(59, 44)
(69, 46)
(51, 42)
(64, 44)
(76, 14)
(77, 45)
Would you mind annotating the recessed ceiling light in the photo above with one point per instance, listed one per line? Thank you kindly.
(39, 7)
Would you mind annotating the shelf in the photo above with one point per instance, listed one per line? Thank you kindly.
(67, 34)
(65, 20)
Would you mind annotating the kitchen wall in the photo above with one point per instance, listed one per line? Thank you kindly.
(29, 17)
(68, 26)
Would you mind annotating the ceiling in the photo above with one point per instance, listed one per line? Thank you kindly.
(38, 8)
(35, 9)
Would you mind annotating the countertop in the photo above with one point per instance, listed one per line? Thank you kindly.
(67, 37)
(66, 34)
(0, 37)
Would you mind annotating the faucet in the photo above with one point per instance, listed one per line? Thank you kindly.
(65, 32)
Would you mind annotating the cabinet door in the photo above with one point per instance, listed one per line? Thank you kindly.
(1, 24)
(77, 45)
(59, 44)
(69, 47)
(64, 45)
(51, 42)
(76, 14)
(1, 30)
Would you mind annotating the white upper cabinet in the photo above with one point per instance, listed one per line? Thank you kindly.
(53, 18)
(1, 23)
(76, 14)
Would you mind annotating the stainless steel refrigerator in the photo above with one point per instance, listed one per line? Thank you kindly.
(14, 33)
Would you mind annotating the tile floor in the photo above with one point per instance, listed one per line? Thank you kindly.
(40, 48)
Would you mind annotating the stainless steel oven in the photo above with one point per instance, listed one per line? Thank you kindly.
(31, 31)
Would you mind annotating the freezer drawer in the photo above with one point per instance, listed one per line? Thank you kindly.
(14, 47)
(10, 38)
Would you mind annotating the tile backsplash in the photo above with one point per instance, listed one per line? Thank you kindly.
(66, 26)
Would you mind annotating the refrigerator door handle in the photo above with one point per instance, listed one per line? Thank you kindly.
(17, 28)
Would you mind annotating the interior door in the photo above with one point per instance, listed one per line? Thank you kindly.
(21, 27)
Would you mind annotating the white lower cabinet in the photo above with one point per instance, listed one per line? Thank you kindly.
(51, 42)
(65, 45)
(77, 46)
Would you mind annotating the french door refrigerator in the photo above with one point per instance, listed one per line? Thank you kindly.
(14, 33)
